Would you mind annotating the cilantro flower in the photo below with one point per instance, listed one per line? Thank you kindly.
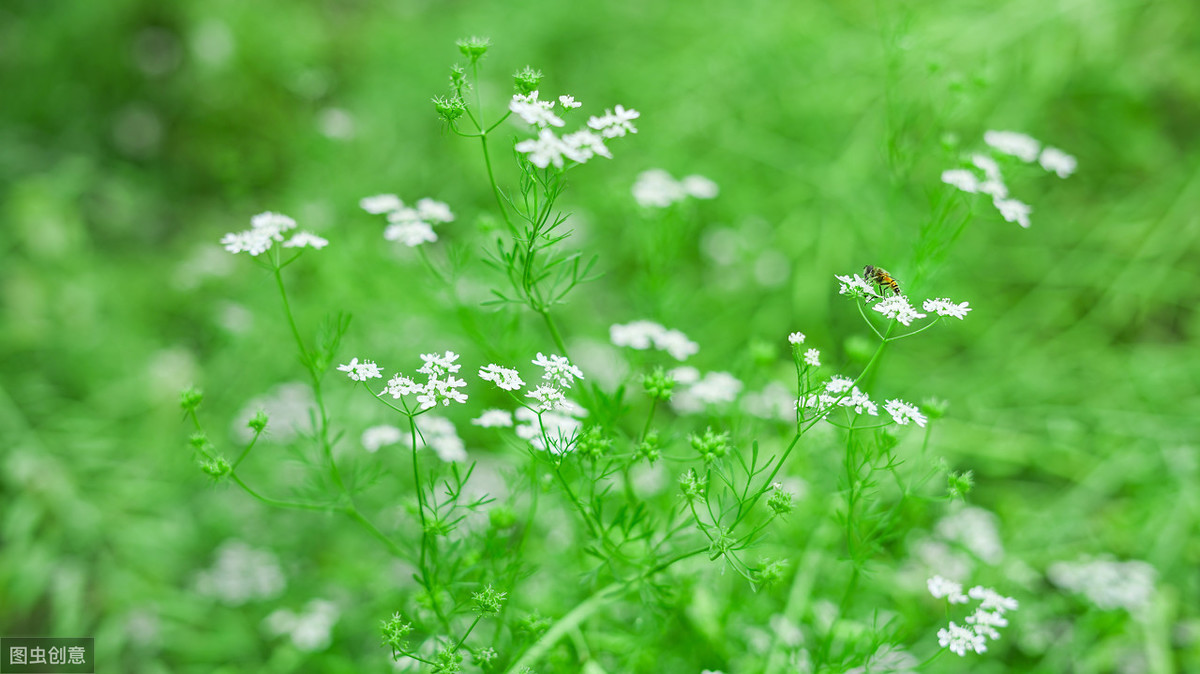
(533, 111)
(641, 335)
(544, 150)
(1014, 211)
(812, 357)
(902, 413)
(557, 369)
(494, 418)
(944, 307)
(898, 308)
(940, 587)
(1019, 145)
(1057, 161)
(569, 101)
(380, 204)
(305, 240)
(409, 226)
(509, 380)
(961, 639)
(961, 179)
(547, 398)
(856, 286)
(266, 229)
(361, 371)
(796, 338)
(614, 123)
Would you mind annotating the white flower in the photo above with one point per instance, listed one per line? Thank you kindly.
(544, 150)
(399, 386)
(265, 229)
(657, 189)
(509, 380)
(547, 397)
(494, 419)
(812, 357)
(1054, 159)
(557, 369)
(1019, 145)
(559, 433)
(990, 600)
(1106, 583)
(796, 338)
(582, 145)
(685, 375)
(962, 179)
(305, 239)
(433, 211)
(700, 187)
(838, 384)
(856, 285)
(241, 574)
(974, 529)
(411, 234)
(985, 622)
(903, 413)
(442, 391)
(677, 344)
(988, 165)
(714, 388)
(940, 587)
(569, 101)
(533, 111)
(275, 223)
(381, 203)
(361, 371)
(638, 335)
(897, 308)
(614, 123)
(961, 639)
(944, 307)
(1014, 211)
(440, 435)
(378, 436)
(437, 366)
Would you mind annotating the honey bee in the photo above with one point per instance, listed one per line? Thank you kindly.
(882, 278)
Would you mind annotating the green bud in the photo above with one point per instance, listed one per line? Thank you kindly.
(450, 108)
(711, 445)
(593, 443)
(648, 448)
(474, 47)
(527, 80)
(502, 517)
(190, 397)
(488, 601)
(780, 500)
(692, 486)
(216, 468)
(958, 485)
(448, 661)
(259, 422)
(458, 78)
(199, 442)
(394, 630)
(935, 408)
(658, 385)
(769, 572)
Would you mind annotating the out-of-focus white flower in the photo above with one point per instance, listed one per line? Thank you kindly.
(1106, 583)
(569, 101)
(305, 240)
(265, 229)
(560, 430)
(380, 204)
(614, 123)
(494, 419)
(796, 338)
(378, 436)
(642, 335)
(440, 435)
(544, 150)
(241, 574)
(961, 179)
(1054, 159)
(1014, 211)
(656, 188)
(974, 529)
(940, 587)
(1019, 145)
(311, 630)
(961, 639)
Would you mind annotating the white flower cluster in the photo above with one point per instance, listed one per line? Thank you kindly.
(558, 374)
(241, 574)
(1021, 146)
(440, 435)
(980, 625)
(549, 431)
(441, 386)
(410, 225)
(898, 307)
(697, 392)
(1106, 583)
(641, 335)
(841, 392)
(310, 630)
(579, 146)
(657, 189)
(380, 436)
(266, 229)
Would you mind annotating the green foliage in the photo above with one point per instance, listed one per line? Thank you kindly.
(137, 133)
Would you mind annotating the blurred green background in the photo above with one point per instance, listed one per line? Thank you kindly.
(135, 133)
